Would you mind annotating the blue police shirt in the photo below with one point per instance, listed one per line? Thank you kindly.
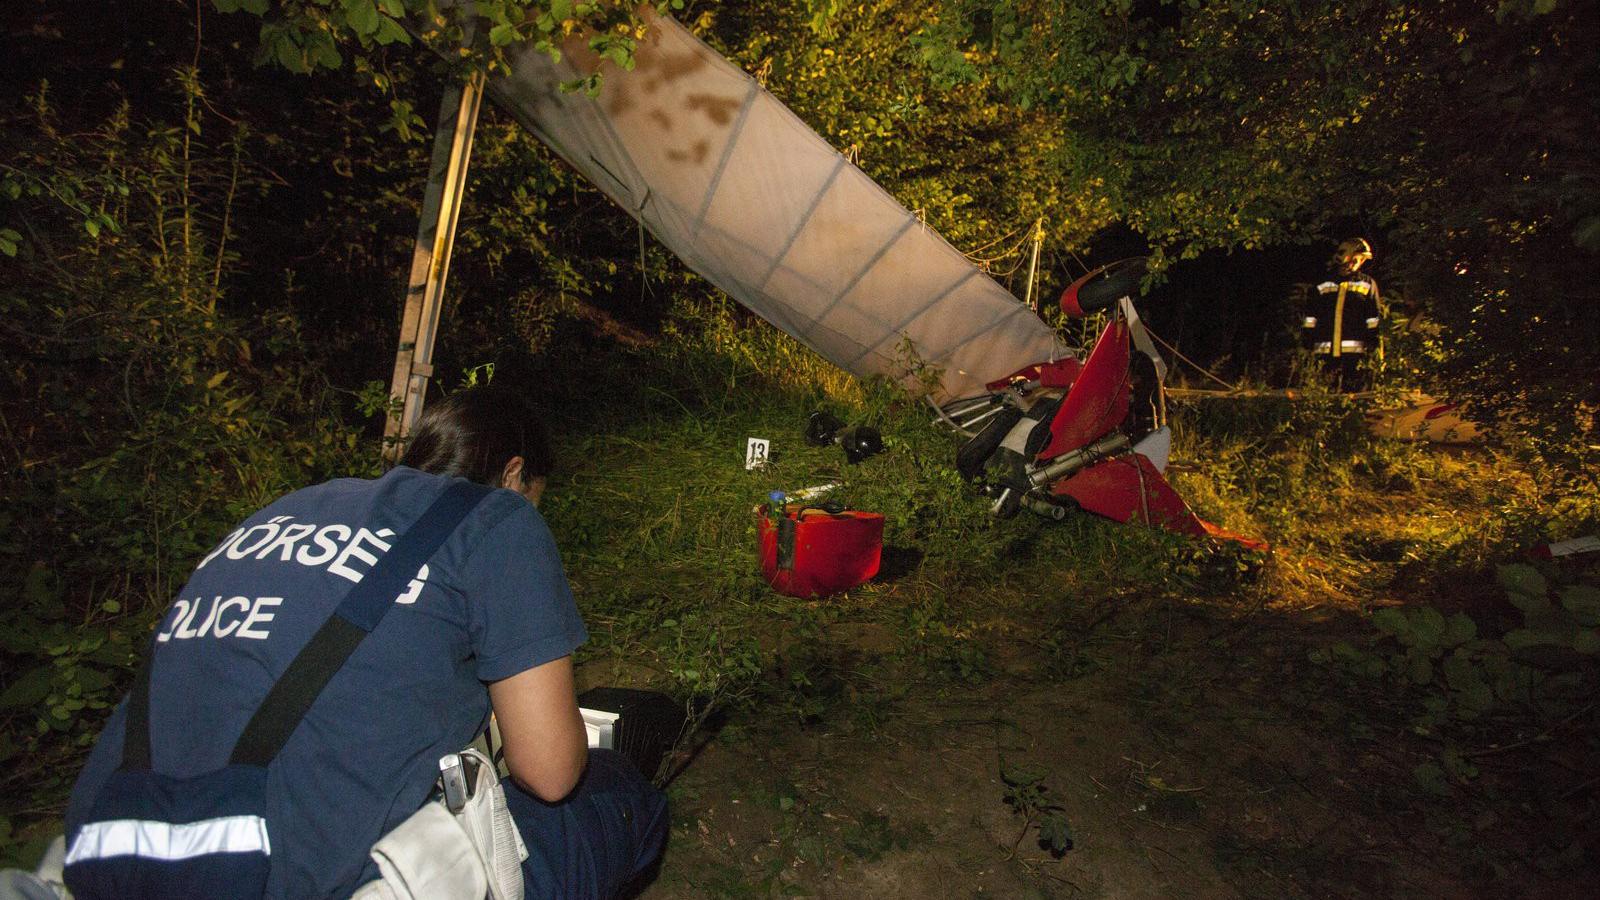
(492, 602)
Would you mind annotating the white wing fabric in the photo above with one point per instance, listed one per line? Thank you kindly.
(748, 196)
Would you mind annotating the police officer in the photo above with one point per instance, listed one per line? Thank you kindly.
(1341, 319)
(488, 623)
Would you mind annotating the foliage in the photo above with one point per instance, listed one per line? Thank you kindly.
(143, 413)
(1541, 671)
(944, 642)
(183, 256)
(1315, 437)
(303, 36)
(977, 168)
(1029, 797)
(1229, 123)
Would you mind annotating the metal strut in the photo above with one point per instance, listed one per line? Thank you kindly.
(430, 261)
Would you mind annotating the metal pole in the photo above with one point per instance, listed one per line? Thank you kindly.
(1033, 264)
(430, 261)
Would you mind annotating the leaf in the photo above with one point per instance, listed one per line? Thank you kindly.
(1522, 638)
(1548, 634)
(1587, 234)
(401, 119)
(9, 241)
(216, 379)
(1020, 776)
(1393, 622)
(1428, 626)
(1475, 700)
(561, 10)
(325, 53)
(288, 54)
(362, 16)
(1587, 642)
(1055, 834)
(1549, 648)
(41, 587)
(1419, 666)
(30, 688)
(621, 55)
(1459, 630)
(1534, 606)
(92, 226)
(92, 680)
(502, 35)
(1520, 578)
(1583, 601)
(1430, 777)
(1459, 672)
(395, 8)
(390, 32)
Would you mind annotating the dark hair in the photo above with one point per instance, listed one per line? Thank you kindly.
(474, 432)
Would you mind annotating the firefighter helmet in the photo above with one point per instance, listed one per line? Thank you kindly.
(1355, 251)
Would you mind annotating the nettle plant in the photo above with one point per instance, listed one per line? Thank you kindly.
(1029, 797)
(1542, 668)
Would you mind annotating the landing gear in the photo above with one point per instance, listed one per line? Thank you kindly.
(1008, 501)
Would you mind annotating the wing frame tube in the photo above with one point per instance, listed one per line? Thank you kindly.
(861, 273)
(750, 96)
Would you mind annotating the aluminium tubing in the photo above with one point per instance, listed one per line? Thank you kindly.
(1067, 463)
(1042, 507)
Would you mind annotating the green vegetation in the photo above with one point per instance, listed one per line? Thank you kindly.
(1460, 131)
(1029, 797)
(1537, 670)
(658, 521)
(143, 415)
(199, 266)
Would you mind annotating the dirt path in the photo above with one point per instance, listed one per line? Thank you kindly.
(1196, 771)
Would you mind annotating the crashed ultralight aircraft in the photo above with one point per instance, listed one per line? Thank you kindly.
(752, 199)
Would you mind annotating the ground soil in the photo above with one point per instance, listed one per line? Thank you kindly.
(1190, 752)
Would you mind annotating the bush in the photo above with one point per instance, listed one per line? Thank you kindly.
(143, 413)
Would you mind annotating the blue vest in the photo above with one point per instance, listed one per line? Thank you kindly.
(490, 602)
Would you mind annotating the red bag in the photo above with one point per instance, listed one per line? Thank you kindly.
(812, 553)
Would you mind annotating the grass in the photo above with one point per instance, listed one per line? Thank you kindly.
(656, 518)
(1184, 647)
(656, 515)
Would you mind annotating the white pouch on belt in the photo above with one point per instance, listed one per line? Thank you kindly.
(439, 855)
(428, 855)
(487, 821)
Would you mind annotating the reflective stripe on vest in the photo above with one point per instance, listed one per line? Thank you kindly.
(1338, 319)
(166, 841)
(1344, 347)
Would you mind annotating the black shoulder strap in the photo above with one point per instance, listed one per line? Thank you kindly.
(286, 704)
(136, 722)
(315, 665)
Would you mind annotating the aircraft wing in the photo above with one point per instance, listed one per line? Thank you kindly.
(751, 198)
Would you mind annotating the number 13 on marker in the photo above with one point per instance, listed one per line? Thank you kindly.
(755, 453)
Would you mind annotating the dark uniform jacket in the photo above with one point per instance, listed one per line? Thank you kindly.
(1341, 316)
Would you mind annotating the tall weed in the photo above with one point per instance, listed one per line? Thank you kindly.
(143, 414)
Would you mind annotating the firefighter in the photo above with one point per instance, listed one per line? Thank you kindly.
(1341, 319)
